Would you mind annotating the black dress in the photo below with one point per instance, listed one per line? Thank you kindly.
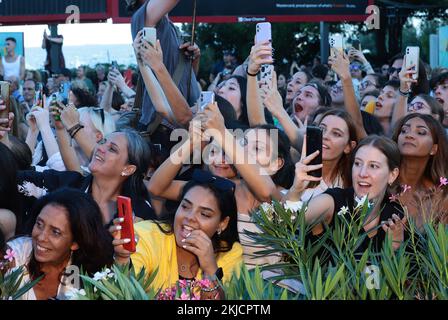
(32, 184)
(346, 198)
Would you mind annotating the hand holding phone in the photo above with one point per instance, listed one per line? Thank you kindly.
(412, 59)
(313, 144)
(150, 35)
(336, 44)
(206, 98)
(263, 34)
(5, 94)
(127, 226)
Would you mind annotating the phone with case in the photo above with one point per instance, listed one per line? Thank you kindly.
(5, 95)
(150, 35)
(127, 226)
(313, 144)
(412, 58)
(206, 98)
(336, 43)
(265, 79)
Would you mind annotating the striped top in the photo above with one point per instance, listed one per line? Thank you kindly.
(250, 257)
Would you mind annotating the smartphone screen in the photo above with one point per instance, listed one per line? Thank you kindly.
(127, 230)
(314, 143)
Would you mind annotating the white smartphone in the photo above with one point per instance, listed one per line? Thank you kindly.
(265, 80)
(336, 43)
(412, 58)
(150, 35)
(263, 33)
(206, 98)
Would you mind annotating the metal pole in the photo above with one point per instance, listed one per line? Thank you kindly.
(193, 31)
(324, 42)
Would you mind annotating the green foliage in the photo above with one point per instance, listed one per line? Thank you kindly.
(251, 286)
(10, 284)
(418, 269)
(120, 283)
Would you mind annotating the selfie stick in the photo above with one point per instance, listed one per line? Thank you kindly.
(193, 29)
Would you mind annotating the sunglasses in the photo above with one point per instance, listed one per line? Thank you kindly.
(366, 84)
(416, 106)
(355, 67)
(392, 70)
(219, 183)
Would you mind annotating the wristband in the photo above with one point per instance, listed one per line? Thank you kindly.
(404, 94)
(250, 74)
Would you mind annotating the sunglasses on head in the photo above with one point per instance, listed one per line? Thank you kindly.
(219, 183)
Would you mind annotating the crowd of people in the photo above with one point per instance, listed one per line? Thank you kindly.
(68, 154)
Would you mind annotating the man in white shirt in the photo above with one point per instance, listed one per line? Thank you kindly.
(12, 65)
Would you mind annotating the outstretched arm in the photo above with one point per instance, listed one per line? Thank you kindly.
(157, 9)
(259, 182)
(340, 64)
(260, 54)
(154, 58)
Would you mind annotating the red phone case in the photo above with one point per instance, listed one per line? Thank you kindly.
(127, 230)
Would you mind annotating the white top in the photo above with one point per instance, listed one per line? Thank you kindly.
(319, 189)
(11, 68)
(23, 249)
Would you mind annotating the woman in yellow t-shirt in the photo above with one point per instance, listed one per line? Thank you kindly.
(200, 242)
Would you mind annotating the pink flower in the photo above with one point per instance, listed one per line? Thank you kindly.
(405, 188)
(393, 198)
(184, 296)
(10, 255)
(443, 181)
(183, 283)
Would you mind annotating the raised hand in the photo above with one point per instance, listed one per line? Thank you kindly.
(301, 178)
(70, 116)
(121, 255)
(191, 51)
(340, 64)
(394, 228)
(198, 243)
(405, 76)
(273, 101)
(214, 121)
(260, 54)
(150, 55)
(357, 55)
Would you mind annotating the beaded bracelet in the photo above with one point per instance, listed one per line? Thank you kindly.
(211, 289)
(74, 130)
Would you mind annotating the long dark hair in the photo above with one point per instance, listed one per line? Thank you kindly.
(84, 97)
(436, 166)
(343, 167)
(284, 177)
(139, 155)
(226, 204)
(10, 197)
(86, 225)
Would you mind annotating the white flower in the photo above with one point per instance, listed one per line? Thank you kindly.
(360, 201)
(343, 211)
(73, 293)
(294, 206)
(268, 209)
(100, 276)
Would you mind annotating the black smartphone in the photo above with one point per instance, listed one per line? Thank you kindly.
(356, 44)
(314, 143)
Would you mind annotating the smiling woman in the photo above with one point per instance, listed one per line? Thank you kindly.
(375, 168)
(67, 231)
(200, 241)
